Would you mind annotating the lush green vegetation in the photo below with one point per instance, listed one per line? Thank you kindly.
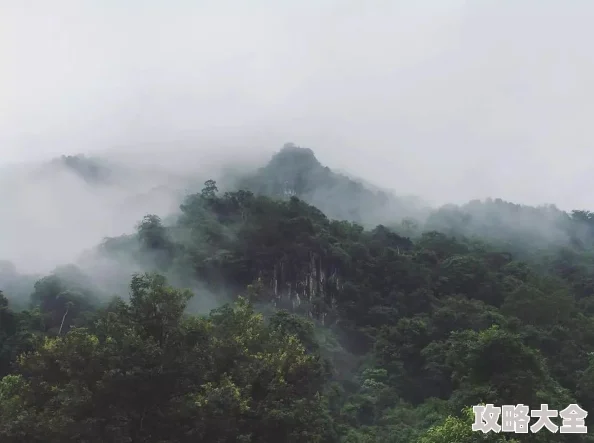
(334, 331)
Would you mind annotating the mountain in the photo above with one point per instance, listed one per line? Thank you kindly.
(295, 171)
(294, 327)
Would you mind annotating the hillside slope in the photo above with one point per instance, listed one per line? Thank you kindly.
(295, 171)
(325, 331)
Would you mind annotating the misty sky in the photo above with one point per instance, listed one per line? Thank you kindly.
(448, 99)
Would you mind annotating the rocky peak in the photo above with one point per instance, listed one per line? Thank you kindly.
(293, 159)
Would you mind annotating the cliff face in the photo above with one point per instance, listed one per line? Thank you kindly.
(284, 248)
(311, 286)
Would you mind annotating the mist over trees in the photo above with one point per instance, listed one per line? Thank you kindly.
(292, 303)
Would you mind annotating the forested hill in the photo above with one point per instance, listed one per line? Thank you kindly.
(326, 330)
(295, 171)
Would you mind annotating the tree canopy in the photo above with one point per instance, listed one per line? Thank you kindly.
(327, 330)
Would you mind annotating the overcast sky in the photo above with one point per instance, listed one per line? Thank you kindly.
(448, 99)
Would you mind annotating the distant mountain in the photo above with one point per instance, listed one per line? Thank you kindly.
(514, 226)
(91, 170)
(297, 171)
(71, 203)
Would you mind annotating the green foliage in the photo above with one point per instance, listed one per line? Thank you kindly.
(146, 373)
(342, 333)
(459, 430)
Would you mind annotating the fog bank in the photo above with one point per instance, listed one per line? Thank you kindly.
(52, 211)
(449, 100)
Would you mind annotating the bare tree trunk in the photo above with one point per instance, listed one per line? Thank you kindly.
(63, 318)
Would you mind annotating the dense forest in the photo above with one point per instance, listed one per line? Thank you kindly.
(317, 310)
